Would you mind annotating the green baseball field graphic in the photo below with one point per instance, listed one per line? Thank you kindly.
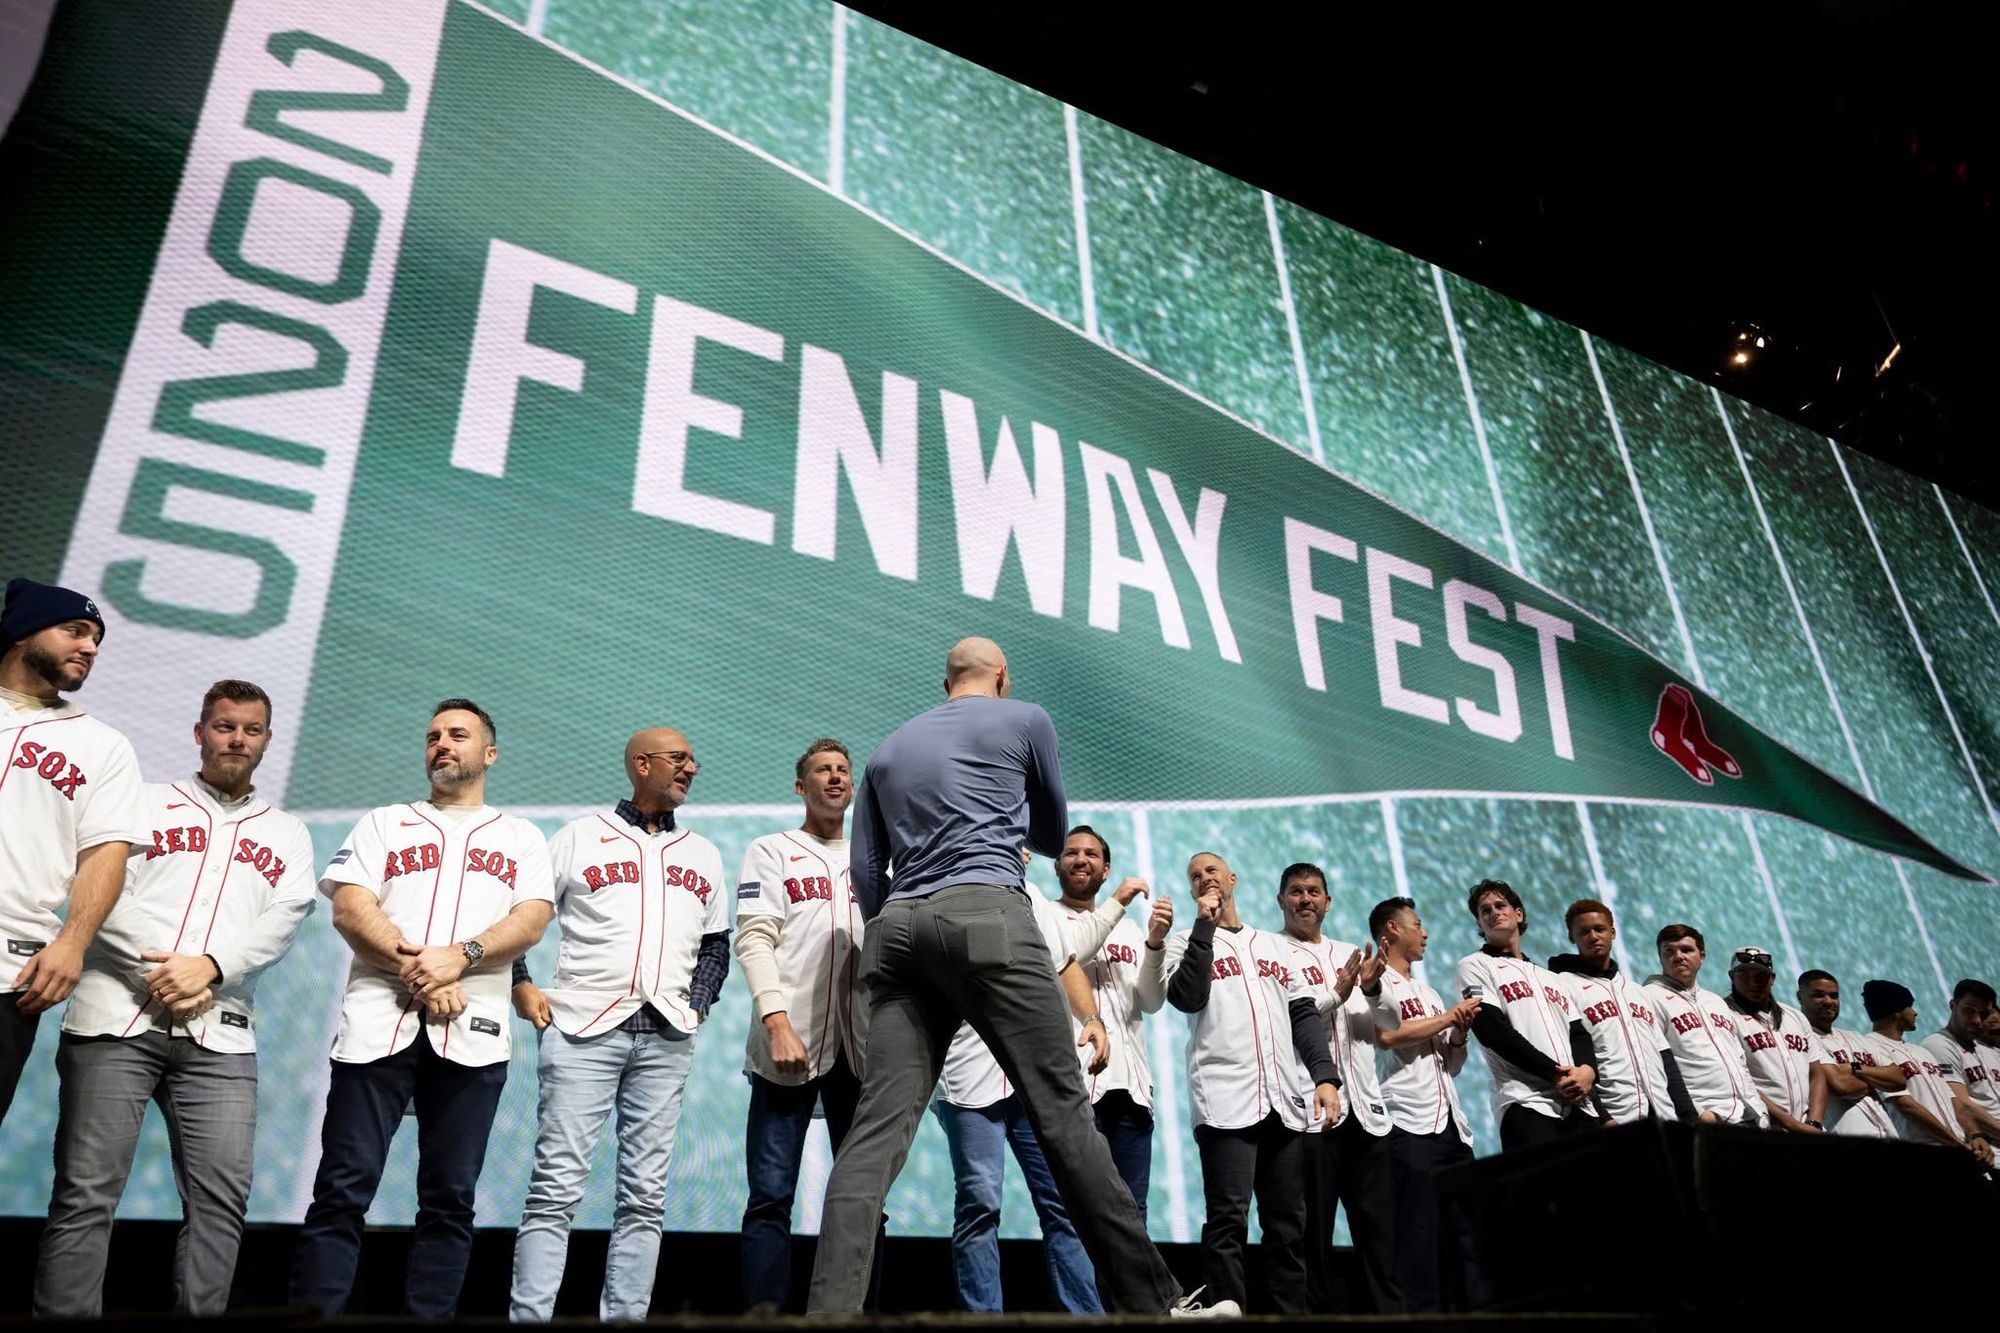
(718, 365)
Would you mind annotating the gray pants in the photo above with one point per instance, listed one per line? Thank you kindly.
(210, 1103)
(973, 952)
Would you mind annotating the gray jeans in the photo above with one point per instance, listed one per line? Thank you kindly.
(974, 952)
(209, 1100)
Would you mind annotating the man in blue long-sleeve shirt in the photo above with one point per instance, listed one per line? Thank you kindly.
(948, 801)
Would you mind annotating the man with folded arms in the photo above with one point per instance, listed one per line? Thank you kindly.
(1856, 1082)
(1925, 1110)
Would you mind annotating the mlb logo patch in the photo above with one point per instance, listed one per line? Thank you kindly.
(744, 892)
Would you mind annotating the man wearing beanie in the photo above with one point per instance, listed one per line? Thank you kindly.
(70, 808)
(1924, 1108)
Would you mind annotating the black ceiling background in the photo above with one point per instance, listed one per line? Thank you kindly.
(1663, 177)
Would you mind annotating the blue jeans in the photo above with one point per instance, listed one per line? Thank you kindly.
(977, 1139)
(1128, 1128)
(643, 1074)
(364, 1107)
(774, 1143)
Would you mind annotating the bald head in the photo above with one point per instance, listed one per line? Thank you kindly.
(661, 764)
(975, 666)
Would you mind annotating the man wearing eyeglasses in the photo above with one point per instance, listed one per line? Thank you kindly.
(644, 911)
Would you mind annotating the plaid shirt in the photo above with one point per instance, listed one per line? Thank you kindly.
(711, 966)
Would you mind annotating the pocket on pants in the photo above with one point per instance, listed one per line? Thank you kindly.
(986, 942)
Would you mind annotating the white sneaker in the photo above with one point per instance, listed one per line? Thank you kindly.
(1187, 1307)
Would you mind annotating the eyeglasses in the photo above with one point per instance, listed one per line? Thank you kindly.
(677, 758)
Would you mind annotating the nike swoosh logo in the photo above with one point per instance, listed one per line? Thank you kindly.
(412, 823)
(798, 858)
(612, 838)
(176, 805)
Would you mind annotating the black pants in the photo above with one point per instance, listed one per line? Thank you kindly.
(1350, 1166)
(364, 1108)
(1523, 1127)
(1436, 1259)
(973, 951)
(1269, 1159)
(17, 1039)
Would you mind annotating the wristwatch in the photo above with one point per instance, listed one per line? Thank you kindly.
(474, 951)
(1818, 1125)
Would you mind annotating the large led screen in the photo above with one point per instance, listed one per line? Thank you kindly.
(718, 364)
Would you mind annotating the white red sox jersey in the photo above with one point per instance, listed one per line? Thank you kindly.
(633, 907)
(1416, 1079)
(1350, 1035)
(1929, 1084)
(230, 881)
(1129, 982)
(1970, 1066)
(1781, 1053)
(1627, 1038)
(802, 881)
(1537, 1002)
(440, 878)
(1857, 1117)
(971, 1077)
(1708, 1047)
(1240, 1059)
(69, 783)
(1985, 1090)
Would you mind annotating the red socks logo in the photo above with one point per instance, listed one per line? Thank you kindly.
(1679, 735)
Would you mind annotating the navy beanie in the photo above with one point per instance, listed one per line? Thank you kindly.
(1882, 998)
(32, 607)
